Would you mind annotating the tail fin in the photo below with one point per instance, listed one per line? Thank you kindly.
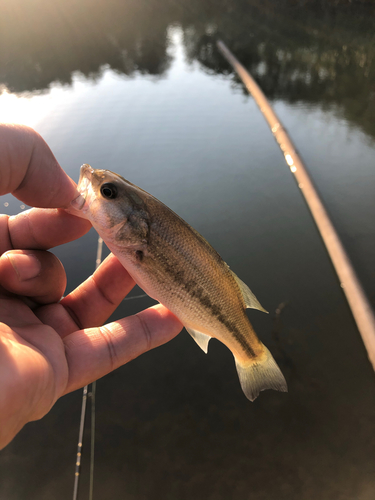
(259, 375)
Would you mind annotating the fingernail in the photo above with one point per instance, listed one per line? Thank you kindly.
(27, 266)
(78, 202)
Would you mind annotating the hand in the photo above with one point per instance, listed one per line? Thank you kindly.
(50, 347)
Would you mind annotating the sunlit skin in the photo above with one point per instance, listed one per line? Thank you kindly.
(49, 347)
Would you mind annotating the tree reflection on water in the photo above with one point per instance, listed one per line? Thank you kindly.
(296, 53)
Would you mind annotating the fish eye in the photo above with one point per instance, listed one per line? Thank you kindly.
(108, 191)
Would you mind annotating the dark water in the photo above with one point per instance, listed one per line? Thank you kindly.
(138, 87)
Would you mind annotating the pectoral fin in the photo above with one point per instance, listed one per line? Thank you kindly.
(248, 296)
(202, 339)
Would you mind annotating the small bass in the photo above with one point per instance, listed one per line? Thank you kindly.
(177, 267)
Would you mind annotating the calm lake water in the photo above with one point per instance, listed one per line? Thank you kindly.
(138, 87)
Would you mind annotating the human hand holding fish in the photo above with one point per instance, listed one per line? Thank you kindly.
(48, 346)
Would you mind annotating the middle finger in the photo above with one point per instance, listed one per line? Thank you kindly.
(43, 228)
(92, 302)
(33, 273)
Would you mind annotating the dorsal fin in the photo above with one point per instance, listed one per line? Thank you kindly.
(202, 339)
(250, 300)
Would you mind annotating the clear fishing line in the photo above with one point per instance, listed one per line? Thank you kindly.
(92, 394)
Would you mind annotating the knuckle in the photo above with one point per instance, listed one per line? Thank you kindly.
(107, 337)
(145, 330)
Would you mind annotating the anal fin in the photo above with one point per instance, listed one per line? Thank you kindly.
(202, 339)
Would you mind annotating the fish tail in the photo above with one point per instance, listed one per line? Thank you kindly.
(260, 374)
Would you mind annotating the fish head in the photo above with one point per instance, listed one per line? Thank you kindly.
(115, 207)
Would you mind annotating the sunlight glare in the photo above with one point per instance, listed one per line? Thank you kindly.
(21, 109)
(289, 159)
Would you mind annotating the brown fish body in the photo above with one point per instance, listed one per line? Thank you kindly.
(176, 266)
(182, 271)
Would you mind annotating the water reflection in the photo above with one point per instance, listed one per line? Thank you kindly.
(298, 54)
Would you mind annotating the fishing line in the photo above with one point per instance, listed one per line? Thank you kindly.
(136, 297)
(99, 253)
(80, 439)
(349, 282)
(92, 441)
(92, 395)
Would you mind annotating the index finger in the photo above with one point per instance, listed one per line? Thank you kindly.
(29, 170)
(32, 174)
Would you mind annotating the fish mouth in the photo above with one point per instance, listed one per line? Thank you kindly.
(85, 172)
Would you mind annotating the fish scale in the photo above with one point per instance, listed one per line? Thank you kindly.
(176, 266)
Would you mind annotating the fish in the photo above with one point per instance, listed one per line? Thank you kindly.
(177, 267)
